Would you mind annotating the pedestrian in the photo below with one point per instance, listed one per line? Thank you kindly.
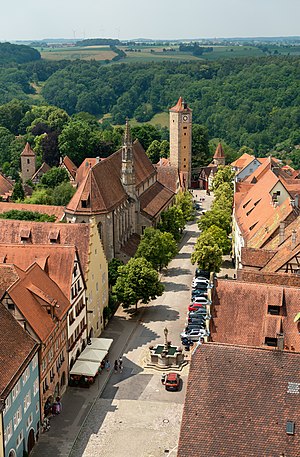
(116, 366)
(107, 365)
(59, 405)
(120, 364)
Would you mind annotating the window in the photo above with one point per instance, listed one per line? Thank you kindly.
(7, 404)
(17, 417)
(27, 400)
(8, 433)
(36, 386)
(29, 421)
(20, 438)
(16, 391)
(37, 407)
(275, 310)
(11, 306)
(271, 341)
(25, 375)
(28, 161)
(34, 361)
(97, 286)
(44, 364)
(290, 428)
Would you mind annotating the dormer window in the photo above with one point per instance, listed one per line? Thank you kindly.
(54, 236)
(271, 341)
(25, 235)
(274, 310)
(85, 200)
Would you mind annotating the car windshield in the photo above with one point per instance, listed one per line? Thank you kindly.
(172, 381)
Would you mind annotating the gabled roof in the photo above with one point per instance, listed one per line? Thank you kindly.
(240, 313)
(294, 225)
(57, 211)
(104, 198)
(267, 163)
(16, 350)
(285, 253)
(238, 402)
(6, 187)
(27, 151)
(180, 106)
(56, 260)
(256, 257)
(283, 279)
(70, 166)
(219, 153)
(84, 168)
(244, 160)
(45, 233)
(155, 199)
(41, 171)
(33, 306)
(168, 176)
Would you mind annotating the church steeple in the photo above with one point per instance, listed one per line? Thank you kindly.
(128, 176)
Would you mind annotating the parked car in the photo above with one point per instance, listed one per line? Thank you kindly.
(199, 325)
(195, 334)
(171, 381)
(200, 280)
(194, 320)
(200, 300)
(198, 312)
(199, 293)
(202, 273)
(196, 306)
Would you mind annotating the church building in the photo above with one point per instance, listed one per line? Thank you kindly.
(124, 196)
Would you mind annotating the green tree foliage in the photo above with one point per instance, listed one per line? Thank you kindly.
(27, 216)
(6, 138)
(200, 149)
(224, 174)
(137, 282)
(113, 274)
(13, 53)
(172, 221)
(59, 195)
(12, 113)
(184, 201)
(218, 217)
(146, 134)
(157, 247)
(215, 235)
(207, 256)
(18, 192)
(54, 177)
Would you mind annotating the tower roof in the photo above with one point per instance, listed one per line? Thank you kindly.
(180, 106)
(219, 152)
(127, 134)
(27, 151)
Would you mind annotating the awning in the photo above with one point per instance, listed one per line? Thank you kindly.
(85, 368)
(94, 355)
(101, 343)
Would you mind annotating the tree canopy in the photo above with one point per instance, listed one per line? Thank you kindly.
(27, 216)
(157, 247)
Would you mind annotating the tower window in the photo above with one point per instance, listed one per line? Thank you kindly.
(28, 160)
(184, 166)
(184, 134)
(184, 128)
(184, 159)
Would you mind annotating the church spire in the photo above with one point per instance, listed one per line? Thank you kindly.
(128, 176)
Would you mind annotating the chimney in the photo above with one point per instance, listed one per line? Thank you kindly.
(280, 341)
(281, 232)
(294, 239)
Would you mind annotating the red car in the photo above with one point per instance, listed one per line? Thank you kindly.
(196, 306)
(171, 381)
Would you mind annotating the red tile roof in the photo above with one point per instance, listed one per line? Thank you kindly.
(254, 276)
(27, 151)
(219, 153)
(243, 161)
(57, 211)
(179, 107)
(240, 313)
(70, 166)
(6, 187)
(155, 199)
(16, 350)
(46, 233)
(84, 168)
(33, 294)
(41, 171)
(238, 403)
(256, 257)
(168, 176)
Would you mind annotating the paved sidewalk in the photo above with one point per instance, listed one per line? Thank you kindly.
(77, 402)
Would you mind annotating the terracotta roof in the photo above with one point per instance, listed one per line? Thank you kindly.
(293, 225)
(27, 151)
(41, 171)
(243, 161)
(267, 163)
(33, 294)
(256, 257)
(240, 313)
(284, 279)
(292, 185)
(70, 166)
(9, 275)
(6, 187)
(45, 233)
(179, 107)
(155, 199)
(256, 207)
(104, 198)
(238, 402)
(56, 260)
(57, 211)
(219, 153)
(285, 253)
(16, 350)
(168, 176)
(270, 227)
(84, 168)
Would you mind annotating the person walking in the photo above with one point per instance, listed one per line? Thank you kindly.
(107, 365)
(120, 364)
(116, 366)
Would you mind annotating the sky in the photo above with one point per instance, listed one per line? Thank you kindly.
(154, 19)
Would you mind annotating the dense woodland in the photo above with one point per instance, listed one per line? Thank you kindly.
(249, 104)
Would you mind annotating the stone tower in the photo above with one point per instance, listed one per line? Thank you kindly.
(219, 156)
(181, 140)
(28, 163)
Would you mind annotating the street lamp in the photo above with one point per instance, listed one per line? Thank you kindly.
(166, 347)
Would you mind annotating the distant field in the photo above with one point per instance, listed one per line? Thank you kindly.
(82, 53)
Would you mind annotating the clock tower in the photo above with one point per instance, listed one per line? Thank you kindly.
(181, 141)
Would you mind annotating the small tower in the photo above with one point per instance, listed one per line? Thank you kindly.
(181, 139)
(219, 156)
(28, 163)
(128, 175)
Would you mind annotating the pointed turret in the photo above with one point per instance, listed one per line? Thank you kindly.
(28, 163)
(219, 156)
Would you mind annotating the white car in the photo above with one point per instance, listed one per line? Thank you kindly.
(195, 334)
(203, 300)
(199, 284)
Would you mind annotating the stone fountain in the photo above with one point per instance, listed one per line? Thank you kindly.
(165, 355)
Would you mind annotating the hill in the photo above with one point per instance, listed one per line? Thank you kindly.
(14, 53)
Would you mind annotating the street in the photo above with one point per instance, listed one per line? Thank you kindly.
(135, 416)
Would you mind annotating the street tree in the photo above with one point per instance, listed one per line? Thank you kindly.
(224, 174)
(207, 256)
(216, 235)
(157, 247)
(137, 282)
(172, 221)
(184, 201)
(153, 152)
(200, 149)
(113, 274)
(219, 217)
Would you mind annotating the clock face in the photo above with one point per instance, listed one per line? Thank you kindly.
(185, 118)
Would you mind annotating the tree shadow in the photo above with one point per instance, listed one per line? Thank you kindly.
(159, 313)
(176, 271)
(175, 287)
(183, 255)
